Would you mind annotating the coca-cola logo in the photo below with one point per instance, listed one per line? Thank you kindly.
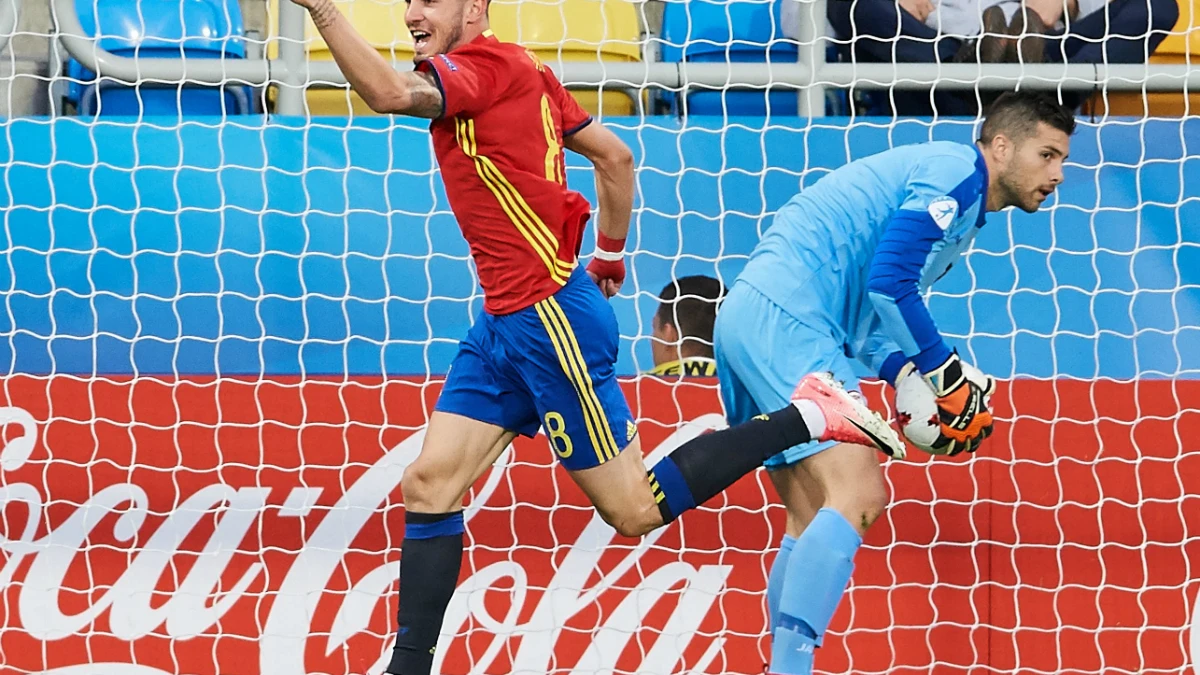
(237, 527)
(43, 555)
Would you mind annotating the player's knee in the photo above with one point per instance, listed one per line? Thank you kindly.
(871, 503)
(634, 528)
(862, 505)
(424, 490)
(630, 523)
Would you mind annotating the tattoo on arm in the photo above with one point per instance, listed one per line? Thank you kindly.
(424, 96)
(324, 13)
(419, 94)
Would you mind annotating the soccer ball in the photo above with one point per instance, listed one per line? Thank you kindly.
(917, 411)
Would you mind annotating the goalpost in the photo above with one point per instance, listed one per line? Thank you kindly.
(224, 335)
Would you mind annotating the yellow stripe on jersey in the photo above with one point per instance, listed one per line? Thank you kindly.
(553, 150)
(530, 229)
(526, 221)
(466, 139)
(571, 369)
(605, 432)
(533, 223)
(464, 130)
(534, 227)
(537, 227)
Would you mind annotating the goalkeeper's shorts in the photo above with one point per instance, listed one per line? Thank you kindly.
(763, 352)
(549, 365)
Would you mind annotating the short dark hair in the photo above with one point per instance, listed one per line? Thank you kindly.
(690, 304)
(1016, 114)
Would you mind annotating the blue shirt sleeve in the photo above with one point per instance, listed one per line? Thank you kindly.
(890, 369)
(938, 193)
(893, 286)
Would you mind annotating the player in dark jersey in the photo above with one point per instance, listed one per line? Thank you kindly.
(542, 353)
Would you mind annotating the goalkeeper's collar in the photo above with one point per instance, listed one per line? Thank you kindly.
(692, 366)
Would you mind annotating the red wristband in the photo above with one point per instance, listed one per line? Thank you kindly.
(608, 243)
(608, 248)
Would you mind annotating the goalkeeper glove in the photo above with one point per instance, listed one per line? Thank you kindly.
(607, 267)
(963, 413)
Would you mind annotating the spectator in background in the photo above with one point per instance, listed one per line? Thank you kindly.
(1061, 31)
(987, 30)
(886, 31)
(891, 30)
(682, 327)
(997, 31)
(1074, 31)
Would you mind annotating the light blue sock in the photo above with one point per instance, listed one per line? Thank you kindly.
(818, 571)
(775, 579)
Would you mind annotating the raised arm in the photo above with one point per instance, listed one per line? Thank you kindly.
(379, 84)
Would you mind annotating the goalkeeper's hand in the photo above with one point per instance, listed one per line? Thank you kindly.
(963, 413)
(607, 267)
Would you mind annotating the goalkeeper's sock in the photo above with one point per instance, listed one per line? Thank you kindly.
(430, 559)
(818, 571)
(704, 466)
(776, 577)
(792, 653)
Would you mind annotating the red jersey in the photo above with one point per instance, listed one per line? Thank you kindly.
(499, 143)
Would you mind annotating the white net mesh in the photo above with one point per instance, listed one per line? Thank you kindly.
(224, 331)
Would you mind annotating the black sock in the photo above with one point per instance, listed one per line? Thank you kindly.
(430, 559)
(704, 466)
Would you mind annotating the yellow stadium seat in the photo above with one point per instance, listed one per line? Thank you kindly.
(1182, 44)
(381, 22)
(575, 30)
(566, 30)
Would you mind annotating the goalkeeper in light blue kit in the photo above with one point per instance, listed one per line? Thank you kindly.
(839, 275)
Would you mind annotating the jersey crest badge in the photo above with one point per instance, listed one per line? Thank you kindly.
(630, 430)
(943, 210)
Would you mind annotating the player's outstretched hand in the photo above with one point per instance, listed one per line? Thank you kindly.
(963, 412)
(607, 267)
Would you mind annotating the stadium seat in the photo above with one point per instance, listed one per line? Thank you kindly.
(380, 23)
(200, 29)
(740, 32)
(578, 30)
(1180, 47)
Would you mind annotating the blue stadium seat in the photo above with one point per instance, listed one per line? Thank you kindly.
(736, 31)
(194, 29)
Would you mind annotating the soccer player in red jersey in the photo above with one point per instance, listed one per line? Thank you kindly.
(542, 353)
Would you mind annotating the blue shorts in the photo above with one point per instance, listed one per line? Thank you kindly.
(549, 365)
(762, 353)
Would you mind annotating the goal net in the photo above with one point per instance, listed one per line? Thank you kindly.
(225, 330)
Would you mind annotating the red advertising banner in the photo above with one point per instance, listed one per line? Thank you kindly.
(242, 527)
